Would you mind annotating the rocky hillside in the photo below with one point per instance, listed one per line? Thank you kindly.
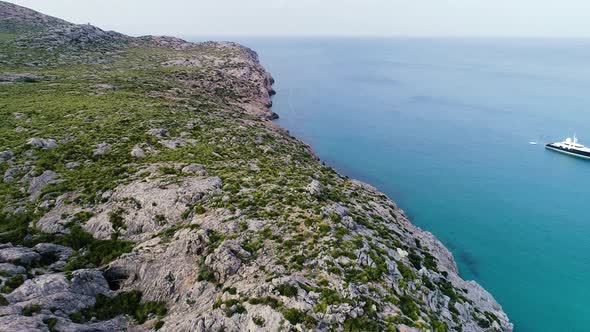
(144, 187)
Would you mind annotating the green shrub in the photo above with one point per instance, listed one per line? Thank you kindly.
(98, 253)
(253, 245)
(416, 260)
(483, 323)
(287, 290)
(77, 239)
(295, 316)
(32, 309)
(50, 323)
(27, 79)
(427, 282)
(12, 283)
(48, 258)
(447, 288)
(406, 272)
(3, 301)
(206, 274)
(269, 301)
(438, 326)
(116, 219)
(230, 290)
(259, 321)
(199, 209)
(430, 262)
(160, 219)
(409, 307)
(361, 324)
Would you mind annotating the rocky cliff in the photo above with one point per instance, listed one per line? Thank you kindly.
(143, 187)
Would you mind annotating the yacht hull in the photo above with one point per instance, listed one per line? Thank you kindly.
(571, 152)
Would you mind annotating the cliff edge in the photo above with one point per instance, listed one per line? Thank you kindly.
(143, 187)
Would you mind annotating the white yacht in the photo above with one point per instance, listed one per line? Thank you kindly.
(571, 147)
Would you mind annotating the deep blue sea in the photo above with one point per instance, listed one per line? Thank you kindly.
(443, 127)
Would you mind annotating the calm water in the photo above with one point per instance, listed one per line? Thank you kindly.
(443, 127)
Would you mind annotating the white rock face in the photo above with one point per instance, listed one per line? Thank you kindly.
(150, 205)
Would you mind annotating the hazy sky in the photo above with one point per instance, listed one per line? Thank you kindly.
(490, 18)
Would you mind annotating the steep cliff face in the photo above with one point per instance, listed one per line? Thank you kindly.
(145, 188)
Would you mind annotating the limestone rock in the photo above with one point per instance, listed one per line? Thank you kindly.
(39, 182)
(144, 200)
(5, 156)
(18, 255)
(101, 149)
(137, 152)
(11, 269)
(159, 132)
(43, 143)
(315, 188)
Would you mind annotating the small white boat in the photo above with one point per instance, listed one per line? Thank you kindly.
(570, 147)
(533, 143)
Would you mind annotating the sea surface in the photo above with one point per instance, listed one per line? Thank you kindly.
(443, 127)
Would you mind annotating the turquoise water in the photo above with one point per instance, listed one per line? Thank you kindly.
(443, 127)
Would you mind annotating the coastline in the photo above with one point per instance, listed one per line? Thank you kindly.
(164, 181)
(482, 297)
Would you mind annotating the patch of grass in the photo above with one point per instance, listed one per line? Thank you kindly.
(296, 316)
(329, 297)
(96, 253)
(214, 237)
(167, 234)
(127, 303)
(165, 170)
(14, 227)
(83, 216)
(253, 245)
(12, 283)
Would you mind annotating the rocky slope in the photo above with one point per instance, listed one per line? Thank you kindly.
(144, 188)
